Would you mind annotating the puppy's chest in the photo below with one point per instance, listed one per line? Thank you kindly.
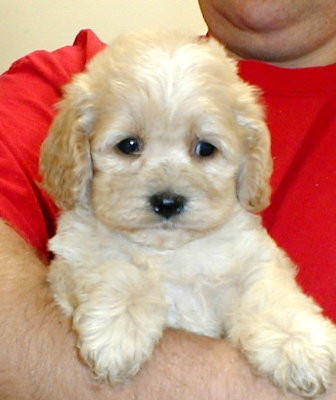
(199, 289)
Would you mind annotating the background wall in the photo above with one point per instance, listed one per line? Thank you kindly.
(28, 25)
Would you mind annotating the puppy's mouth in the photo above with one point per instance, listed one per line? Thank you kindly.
(167, 225)
(163, 224)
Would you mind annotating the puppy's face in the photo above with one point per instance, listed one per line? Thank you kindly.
(163, 139)
(164, 169)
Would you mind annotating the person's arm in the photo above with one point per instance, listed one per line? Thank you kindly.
(39, 359)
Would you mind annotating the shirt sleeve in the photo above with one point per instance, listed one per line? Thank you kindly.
(29, 91)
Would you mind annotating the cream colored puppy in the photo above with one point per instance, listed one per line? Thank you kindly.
(158, 158)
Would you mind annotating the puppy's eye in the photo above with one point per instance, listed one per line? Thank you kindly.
(129, 145)
(204, 149)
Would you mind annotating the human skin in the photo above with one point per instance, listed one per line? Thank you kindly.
(39, 358)
(287, 33)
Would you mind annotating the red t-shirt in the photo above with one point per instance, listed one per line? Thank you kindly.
(28, 94)
(301, 112)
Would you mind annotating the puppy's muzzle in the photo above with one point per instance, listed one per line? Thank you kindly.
(167, 204)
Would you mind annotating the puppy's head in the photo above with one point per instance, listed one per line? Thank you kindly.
(160, 139)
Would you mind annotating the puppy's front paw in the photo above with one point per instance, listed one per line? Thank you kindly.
(119, 324)
(306, 362)
(301, 358)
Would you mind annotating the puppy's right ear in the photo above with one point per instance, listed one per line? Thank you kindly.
(65, 159)
(253, 186)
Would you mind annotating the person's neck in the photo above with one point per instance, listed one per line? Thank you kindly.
(322, 56)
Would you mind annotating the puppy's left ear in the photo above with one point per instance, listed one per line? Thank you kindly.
(65, 161)
(253, 186)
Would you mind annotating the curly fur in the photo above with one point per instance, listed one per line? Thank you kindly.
(124, 273)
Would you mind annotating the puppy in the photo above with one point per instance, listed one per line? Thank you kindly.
(159, 159)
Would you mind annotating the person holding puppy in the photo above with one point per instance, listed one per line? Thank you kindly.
(38, 354)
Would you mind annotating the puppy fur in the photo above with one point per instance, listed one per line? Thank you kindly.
(122, 271)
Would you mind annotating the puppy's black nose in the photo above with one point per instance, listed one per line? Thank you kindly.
(167, 204)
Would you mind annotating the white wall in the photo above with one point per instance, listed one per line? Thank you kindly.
(28, 25)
